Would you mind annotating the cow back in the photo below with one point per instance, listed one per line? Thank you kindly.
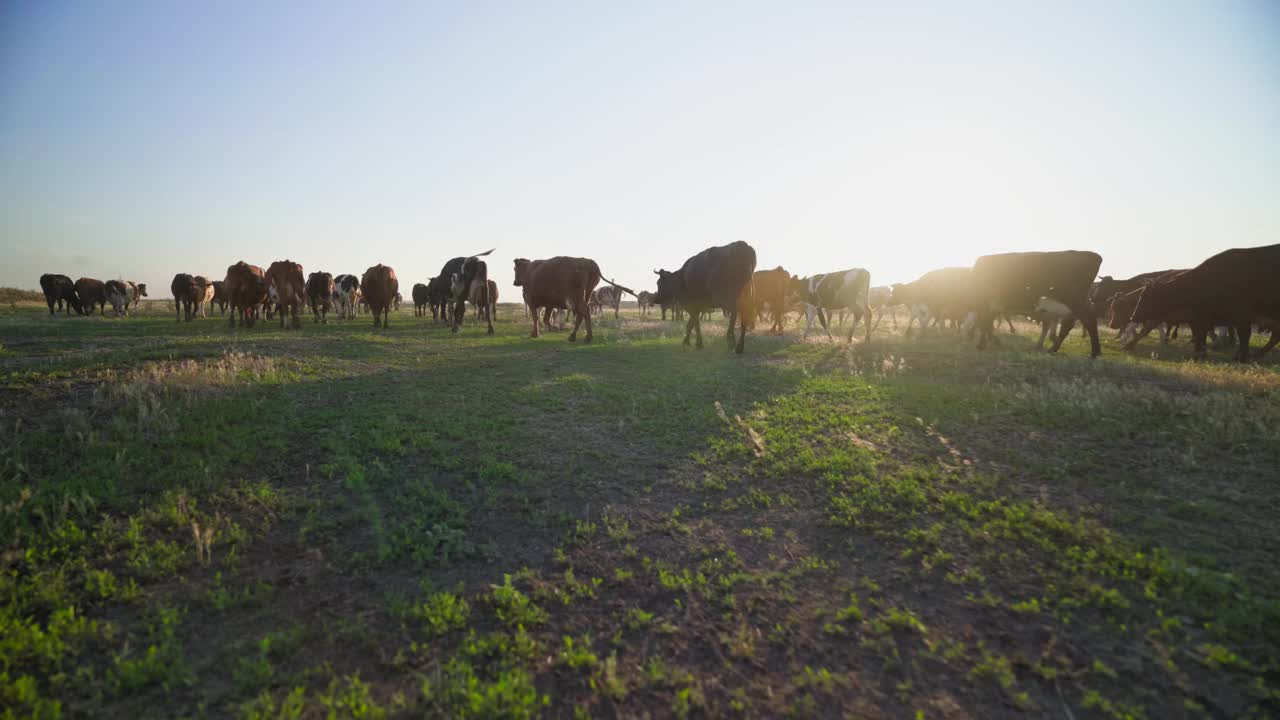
(1015, 282)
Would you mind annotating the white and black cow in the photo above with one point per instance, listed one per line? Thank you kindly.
(462, 272)
(849, 290)
(346, 295)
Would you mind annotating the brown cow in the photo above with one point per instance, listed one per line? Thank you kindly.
(379, 286)
(205, 294)
(320, 295)
(246, 288)
(287, 290)
(186, 295)
(771, 295)
(943, 294)
(134, 292)
(1237, 287)
(486, 309)
(559, 283)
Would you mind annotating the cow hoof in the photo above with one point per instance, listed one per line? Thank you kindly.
(573, 338)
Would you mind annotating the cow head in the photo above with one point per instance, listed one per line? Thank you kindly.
(670, 287)
(522, 271)
(900, 294)
(142, 289)
(798, 288)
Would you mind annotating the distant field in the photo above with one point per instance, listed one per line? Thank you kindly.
(357, 523)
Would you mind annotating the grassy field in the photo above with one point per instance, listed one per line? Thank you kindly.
(348, 522)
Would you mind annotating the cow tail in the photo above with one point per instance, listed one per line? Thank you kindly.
(627, 290)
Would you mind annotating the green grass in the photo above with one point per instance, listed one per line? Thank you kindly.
(343, 522)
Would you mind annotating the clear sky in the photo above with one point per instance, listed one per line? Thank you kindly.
(140, 139)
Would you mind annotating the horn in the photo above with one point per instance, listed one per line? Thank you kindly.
(657, 272)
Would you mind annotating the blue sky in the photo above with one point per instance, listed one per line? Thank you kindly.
(140, 139)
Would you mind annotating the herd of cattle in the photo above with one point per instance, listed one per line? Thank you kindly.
(1226, 296)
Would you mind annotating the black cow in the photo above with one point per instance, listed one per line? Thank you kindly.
(420, 297)
(718, 277)
(438, 298)
(1015, 282)
(1237, 287)
(61, 291)
(461, 273)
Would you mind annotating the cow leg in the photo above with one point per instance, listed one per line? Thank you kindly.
(1275, 338)
(983, 322)
(696, 318)
(1045, 324)
(459, 312)
(386, 317)
(733, 320)
(688, 330)
(822, 318)
(534, 315)
(1064, 328)
(1244, 332)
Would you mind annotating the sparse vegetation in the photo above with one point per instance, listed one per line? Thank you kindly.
(337, 524)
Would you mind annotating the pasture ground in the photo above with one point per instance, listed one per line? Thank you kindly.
(348, 522)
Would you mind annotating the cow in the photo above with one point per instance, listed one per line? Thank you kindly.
(320, 295)
(610, 297)
(594, 306)
(135, 292)
(461, 273)
(1121, 303)
(186, 295)
(770, 293)
(379, 287)
(849, 289)
(287, 290)
(346, 295)
(220, 296)
(91, 293)
(559, 283)
(1108, 287)
(246, 288)
(718, 277)
(880, 299)
(644, 301)
(420, 300)
(438, 296)
(943, 294)
(117, 293)
(1237, 288)
(205, 294)
(1015, 282)
(486, 303)
(60, 291)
